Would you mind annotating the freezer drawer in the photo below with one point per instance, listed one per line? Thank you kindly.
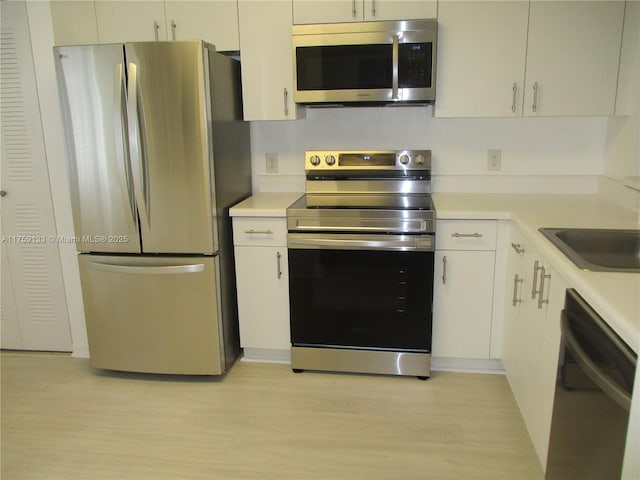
(153, 314)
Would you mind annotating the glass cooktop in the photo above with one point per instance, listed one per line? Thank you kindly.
(365, 201)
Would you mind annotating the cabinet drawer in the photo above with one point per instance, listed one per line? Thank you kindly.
(266, 231)
(466, 234)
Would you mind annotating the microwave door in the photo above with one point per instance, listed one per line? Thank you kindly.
(91, 84)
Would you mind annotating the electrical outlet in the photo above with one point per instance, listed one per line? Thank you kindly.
(272, 162)
(494, 160)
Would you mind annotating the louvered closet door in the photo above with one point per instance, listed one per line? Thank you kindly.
(34, 310)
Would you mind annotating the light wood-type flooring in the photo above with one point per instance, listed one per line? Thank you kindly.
(61, 419)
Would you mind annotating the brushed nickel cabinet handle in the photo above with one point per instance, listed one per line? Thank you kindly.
(543, 277)
(536, 267)
(466, 235)
(278, 257)
(285, 96)
(444, 270)
(353, 8)
(516, 281)
(258, 232)
(156, 27)
(517, 247)
(515, 94)
(173, 29)
(373, 8)
(534, 107)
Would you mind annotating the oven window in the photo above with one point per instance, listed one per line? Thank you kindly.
(361, 299)
(344, 67)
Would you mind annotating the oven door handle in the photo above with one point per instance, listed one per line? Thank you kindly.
(413, 243)
(404, 226)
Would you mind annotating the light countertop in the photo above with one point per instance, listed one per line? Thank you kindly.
(615, 296)
(265, 204)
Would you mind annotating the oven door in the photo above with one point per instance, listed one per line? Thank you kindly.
(363, 291)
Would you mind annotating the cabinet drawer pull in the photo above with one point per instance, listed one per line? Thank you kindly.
(258, 232)
(513, 101)
(466, 235)
(534, 107)
(173, 29)
(517, 248)
(156, 27)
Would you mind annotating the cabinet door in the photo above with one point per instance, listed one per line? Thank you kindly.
(481, 58)
(572, 58)
(327, 11)
(267, 60)
(214, 21)
(375, 10)
(130, 21)
(74, 22)
(544, 380)
(263, 297)
(462, 304)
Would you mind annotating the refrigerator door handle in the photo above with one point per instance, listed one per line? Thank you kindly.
(120, 129)
(150, 269)
(136, 147)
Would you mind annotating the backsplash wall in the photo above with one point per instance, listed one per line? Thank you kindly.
(538, 154)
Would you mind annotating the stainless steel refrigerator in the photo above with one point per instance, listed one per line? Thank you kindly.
(157, 153)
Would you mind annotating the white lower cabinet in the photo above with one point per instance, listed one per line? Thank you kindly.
(463, 288)
(534, 300)
(262, 277)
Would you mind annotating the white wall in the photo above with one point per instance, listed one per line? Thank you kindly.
(538, 154)
(40, 28)
(622, 157)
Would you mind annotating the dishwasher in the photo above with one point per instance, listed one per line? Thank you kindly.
(592, 397)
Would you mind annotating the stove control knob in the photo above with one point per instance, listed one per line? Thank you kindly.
(315, 160)
(420, 162)
(330, 160)
(404, 159)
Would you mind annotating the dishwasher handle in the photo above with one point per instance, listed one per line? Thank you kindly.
(617, 393)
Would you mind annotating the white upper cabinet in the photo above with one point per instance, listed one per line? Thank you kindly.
(109, 21)
(573, 56)
(215, 22)
(337, 11)
(538, 58)
(74, 22)
(130, 21)
(267, 60)
(628, 94)
(482, 48)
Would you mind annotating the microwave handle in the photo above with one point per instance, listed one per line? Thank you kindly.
(395, 59)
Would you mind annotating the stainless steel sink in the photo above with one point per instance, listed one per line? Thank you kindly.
(598, 250)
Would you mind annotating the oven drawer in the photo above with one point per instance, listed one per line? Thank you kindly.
(466, 234)
(260, 231)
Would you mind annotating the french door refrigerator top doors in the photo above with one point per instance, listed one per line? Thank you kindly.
(138, 142)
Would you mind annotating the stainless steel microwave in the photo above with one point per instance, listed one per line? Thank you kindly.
(371, 62)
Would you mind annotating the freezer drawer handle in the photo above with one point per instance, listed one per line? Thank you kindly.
(151, 269)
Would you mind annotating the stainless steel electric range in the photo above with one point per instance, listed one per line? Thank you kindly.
(361, 247)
